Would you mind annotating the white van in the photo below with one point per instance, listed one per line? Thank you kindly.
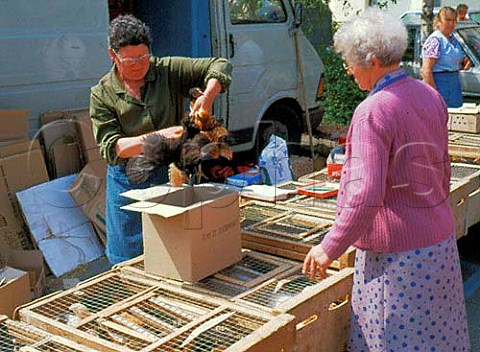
(263, 40)
(66, 53)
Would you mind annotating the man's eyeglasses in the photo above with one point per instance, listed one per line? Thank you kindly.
(131, 60)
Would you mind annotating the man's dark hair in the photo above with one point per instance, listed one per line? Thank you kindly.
(128, 30)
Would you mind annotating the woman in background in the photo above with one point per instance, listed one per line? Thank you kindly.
(443, 58)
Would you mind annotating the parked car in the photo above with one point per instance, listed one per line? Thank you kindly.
(468, 35)
(416, 15)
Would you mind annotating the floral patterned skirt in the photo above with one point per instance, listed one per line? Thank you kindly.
(409, 301)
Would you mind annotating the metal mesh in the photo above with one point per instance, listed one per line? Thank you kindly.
(15, 335)
(327, 206)
(460, 171)
(90, 299)
(468, 140)
(280, 291)
(248, 269)
(297, 227)
(145, 322)
(219, 286)
(252, 213)
(319, 176)
(216, 334)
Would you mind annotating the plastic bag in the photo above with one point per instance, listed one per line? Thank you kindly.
(274, 162)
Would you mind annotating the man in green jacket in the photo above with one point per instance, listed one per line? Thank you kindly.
(140, 95)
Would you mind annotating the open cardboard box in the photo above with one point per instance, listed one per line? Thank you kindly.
(189, 233)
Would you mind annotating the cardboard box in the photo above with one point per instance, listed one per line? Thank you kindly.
(58, 129)
(14, 291)
(88, 191)
(14, 124)
(66, 159)
(88, 145)
(30, 261)
(19, 171)
(189, 233)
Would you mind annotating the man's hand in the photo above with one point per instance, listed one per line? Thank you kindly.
(173, 132)
(315, 262)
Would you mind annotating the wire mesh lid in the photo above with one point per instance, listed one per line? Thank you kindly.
(20, 336)
(225, 330)
(460, 171)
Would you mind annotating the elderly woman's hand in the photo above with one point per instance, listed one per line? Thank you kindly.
(315, 262)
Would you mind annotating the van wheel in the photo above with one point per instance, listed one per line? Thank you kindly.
(283, 121)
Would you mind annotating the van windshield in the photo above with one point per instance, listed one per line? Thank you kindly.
(471, 36)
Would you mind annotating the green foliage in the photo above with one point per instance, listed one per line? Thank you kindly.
(341, 95)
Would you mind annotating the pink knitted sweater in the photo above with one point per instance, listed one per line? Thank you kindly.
(395, 184)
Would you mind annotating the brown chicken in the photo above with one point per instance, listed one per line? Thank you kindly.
(204, 138)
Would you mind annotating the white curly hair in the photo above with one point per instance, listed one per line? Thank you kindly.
(372, 33)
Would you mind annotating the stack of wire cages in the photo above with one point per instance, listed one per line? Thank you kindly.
(288, 233)
(151, 320)
(18, 336)
(252, 270)
(285, 231)
(277, 286)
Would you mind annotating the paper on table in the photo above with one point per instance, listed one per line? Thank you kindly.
(265, 192)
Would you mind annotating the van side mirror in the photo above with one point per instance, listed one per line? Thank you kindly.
(298, 14)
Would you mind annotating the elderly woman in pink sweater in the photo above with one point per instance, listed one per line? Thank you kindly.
(393, 202)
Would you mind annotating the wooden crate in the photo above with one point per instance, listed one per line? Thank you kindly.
(464, 145)
(471, 172)
(149, 321)
(321, 307)
(252, 270)
(18, 336)
(462, 122)
(234, 328)
(64, 312)
(317, 176)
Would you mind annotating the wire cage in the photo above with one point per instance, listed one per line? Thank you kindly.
(464, 197)
(253, 269)
(17, 336)
(145, 322)
(464, 145)
(290, 233)
(461, 171)
(286, 231)
(68, 311)
(321, 307)
(318, 176)
(234, 329)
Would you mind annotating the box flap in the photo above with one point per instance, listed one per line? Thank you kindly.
(149, 193)
(14, 124)
(164, 210)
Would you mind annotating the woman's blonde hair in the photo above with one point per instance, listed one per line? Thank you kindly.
(441, 15)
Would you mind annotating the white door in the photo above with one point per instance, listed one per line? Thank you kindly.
(257, 38)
